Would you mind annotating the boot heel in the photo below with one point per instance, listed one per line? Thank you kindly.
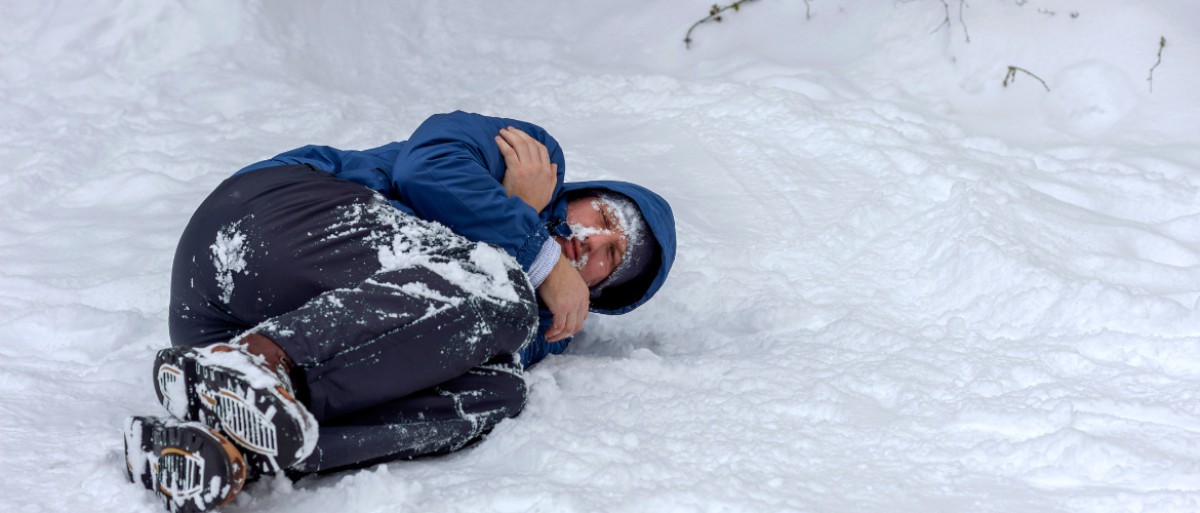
(190, 467)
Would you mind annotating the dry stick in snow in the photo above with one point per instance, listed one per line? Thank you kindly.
(714, 14)
(1162, 42)
(1012, 76)
(961, 4)
(946, 20)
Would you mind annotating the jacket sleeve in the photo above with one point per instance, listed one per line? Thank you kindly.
(451, 171)
(368, 168)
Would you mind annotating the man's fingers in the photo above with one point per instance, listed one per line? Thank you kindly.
(521, 134)
(506, 149)
(536, 148)
(513, 137)
(543, 154)
(566, 325)
(552, 334)
(583, 313)
(528, 149)
(573, 324)
(527, 146)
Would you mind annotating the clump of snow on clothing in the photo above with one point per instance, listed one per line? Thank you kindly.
(229, 257)
(487, 281)
(414, 242)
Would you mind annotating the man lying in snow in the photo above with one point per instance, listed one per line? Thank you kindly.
(334, 309)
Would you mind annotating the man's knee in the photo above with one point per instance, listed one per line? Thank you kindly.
(516, 393)
(503, 392)
(512, 323)
(196, 327)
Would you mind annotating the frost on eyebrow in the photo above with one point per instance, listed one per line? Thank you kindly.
(628, 217)
(627, 220)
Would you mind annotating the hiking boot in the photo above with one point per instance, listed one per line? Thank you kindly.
(253, 404)
(189, 466)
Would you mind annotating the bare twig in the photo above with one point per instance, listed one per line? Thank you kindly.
(1162, 43)
(961, 4)
(1012, 76)
(807, 10)
(714, 14)
(946, 20)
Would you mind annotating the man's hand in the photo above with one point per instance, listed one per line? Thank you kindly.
(565, 293)
(529, 175)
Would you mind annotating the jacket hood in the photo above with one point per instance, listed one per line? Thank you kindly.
(657, 212)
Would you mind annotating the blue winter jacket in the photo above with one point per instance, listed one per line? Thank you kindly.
(451, 171)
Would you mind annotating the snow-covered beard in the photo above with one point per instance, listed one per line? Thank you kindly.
(580, 233)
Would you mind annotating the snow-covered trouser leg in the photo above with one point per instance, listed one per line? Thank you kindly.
(437, 420)
(372, 304)
(398, 332)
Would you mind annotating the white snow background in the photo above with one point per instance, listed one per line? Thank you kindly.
(901, 286)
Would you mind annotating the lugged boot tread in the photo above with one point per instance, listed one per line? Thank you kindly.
(266, 422)
(157, 447)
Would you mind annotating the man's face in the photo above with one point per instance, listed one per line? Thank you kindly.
(597, 242)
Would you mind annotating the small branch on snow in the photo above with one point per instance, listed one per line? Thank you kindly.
(714, 14)
(961, 5)
(807, 10)
(946, 20)
(1012, 76)
(1162, 43)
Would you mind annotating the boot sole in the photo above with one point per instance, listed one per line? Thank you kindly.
(190, 467)
(240, 399)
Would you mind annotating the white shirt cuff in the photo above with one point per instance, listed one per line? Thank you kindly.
(544, 262)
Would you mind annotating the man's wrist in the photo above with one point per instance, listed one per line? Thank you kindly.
(546, 259)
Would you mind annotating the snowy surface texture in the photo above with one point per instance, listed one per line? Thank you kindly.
(901, 286)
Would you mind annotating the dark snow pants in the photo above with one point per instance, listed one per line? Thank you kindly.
(403, 333)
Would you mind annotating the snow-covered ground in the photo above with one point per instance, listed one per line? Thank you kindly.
(901, 286)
